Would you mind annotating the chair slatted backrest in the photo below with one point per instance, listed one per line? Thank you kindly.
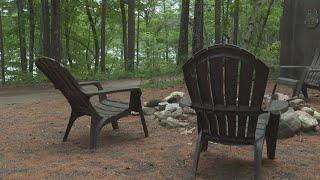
(313, 78)
(226, 85)
(66, 83)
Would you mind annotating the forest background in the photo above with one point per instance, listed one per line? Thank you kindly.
(113, 39)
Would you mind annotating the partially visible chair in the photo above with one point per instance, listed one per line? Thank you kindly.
(106, 111)
(226, 85)
(310, 77)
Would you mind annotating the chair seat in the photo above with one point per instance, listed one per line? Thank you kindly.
(313, 83)
(260, 133)
(110, 108)
(287, 81)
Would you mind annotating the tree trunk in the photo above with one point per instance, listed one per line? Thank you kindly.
(236, 21)
(31, 35)
(138, 37)
(251, 23)
(45, 27)
(103, 36)
(2, 51)
(197, 41)
(67, 31)
(87, 51)
(95, 36)
(183, 36)
(22, 39)
(131, 35)
(217, 21)
(124, 33)
(222, 20)
(147, 22)
(40, 39)
(225, 37)
(166, 30)
(55, 30)
(263, 25)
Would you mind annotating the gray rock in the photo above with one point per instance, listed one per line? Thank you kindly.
(174, 95)
(148, 110)
(316, 115)
(172, 107)
(289, 124)
(173, 123)
(162, 115)
(174, 112)
(184, 117)
(296, 103)
(157, 113)
(290, 109)
(308, 110)
(152, 103)
(150, 118)
(173, 100)
(177, 114)
(188, 110)
(134, 113)
(281, 97)
(266, 98)
(308, 122)
(162, 106)
(157, 108)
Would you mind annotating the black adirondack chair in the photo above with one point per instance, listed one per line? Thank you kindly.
(106, 111)
(226, 85)
(310, 77)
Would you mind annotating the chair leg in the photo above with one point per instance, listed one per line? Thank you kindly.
(94, 131)
(305, 91)
(271, 147)
(115, 125)
(272, 135)
(144, 125)
(258, 147)
(274, 91)
(197, 154)
(73, 117)
(296, 90)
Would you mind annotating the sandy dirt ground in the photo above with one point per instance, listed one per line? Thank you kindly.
(33, 120)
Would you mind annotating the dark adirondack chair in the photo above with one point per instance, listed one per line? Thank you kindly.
(226, 85)
(310, 77)
(106, 111)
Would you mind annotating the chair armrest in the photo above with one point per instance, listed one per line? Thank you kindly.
(313, 70)
(88, 83)
(292, 67)
(277, 107)
(97, 84)
(110, 91)
(135, 96)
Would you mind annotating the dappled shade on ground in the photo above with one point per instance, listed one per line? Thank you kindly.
(31, 146)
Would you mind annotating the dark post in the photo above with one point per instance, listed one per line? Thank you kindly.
(299, 32)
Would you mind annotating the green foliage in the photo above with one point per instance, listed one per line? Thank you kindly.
(158, 37)
(162, 84)
(270, 54)
(25, 79)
